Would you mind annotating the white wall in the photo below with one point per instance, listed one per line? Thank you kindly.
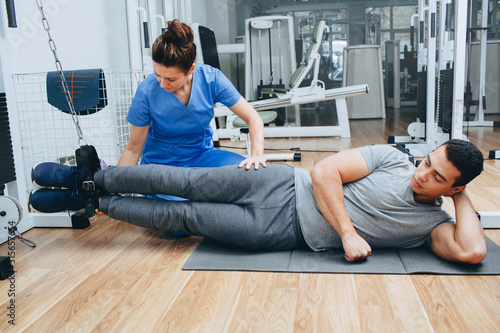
(220, 16)
(199, 15)
(87, 34)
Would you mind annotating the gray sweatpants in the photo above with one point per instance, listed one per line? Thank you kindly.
(253, 209)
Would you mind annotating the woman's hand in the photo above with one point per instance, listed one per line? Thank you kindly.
(256, 130)
(255, 160)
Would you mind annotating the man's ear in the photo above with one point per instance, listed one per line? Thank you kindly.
(455, 190)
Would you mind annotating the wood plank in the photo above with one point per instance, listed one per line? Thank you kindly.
(408, 313)
(473, 308)
(266, 303)
(205, 304)
(327, 302)
(158, 286)
(438, 303)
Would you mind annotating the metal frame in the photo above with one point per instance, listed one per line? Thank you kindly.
(295, 97)
(250, 78)
(448, 51)
(152, 14)
(479, 116)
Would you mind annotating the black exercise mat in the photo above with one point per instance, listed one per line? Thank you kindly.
(213, 256)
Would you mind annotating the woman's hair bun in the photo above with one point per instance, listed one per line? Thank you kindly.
(179, 33)
(175, 46)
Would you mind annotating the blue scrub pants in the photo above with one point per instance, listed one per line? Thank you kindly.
(217, 158)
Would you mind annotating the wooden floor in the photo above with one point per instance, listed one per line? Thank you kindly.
(115, 277)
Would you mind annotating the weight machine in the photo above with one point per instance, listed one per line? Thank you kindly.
(480, 87)
(434, 128)
(257, 31)
(438, 123)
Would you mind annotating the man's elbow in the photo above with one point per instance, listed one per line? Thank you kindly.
(474, 255)
(316, 174)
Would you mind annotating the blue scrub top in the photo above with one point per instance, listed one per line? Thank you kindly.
(178, 134)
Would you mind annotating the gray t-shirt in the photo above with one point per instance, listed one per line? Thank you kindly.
(381, 205)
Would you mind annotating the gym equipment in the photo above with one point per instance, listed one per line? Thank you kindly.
(295, 95)
(428, 132)
(484, 81)
(205, 38)
(7, 168)
(47, 134)
(259, 71)
(266, 37)
(437, 123)
(11, 214)
(213, 256)
(302, 95)
(86, 155)
(145, 24)
(482, 88)
(285, 97)
(267, 25)
(312, 58)
(431, 128)
(267, 117)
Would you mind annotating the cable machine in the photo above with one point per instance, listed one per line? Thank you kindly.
(476, 84)
(440, 74)
(146, 21)
(438, 123)
(259, 76)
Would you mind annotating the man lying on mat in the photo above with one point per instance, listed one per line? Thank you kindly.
(357, 199)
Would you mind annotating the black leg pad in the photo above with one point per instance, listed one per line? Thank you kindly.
(79, 221)
(6, 268)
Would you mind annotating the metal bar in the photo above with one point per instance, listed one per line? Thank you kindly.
(490, 219)
(459, 71)
(344, 92)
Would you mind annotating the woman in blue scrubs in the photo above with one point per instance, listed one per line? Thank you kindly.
(172, 109)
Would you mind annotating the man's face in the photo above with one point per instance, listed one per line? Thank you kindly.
(435, 176)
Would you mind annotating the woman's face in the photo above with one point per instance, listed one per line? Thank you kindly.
(171, 78)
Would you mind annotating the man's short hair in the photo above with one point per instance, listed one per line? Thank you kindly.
(466, 157)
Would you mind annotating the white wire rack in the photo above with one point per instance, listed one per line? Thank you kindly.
(48, 134)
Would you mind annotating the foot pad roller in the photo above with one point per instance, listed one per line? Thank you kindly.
(6, 269)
